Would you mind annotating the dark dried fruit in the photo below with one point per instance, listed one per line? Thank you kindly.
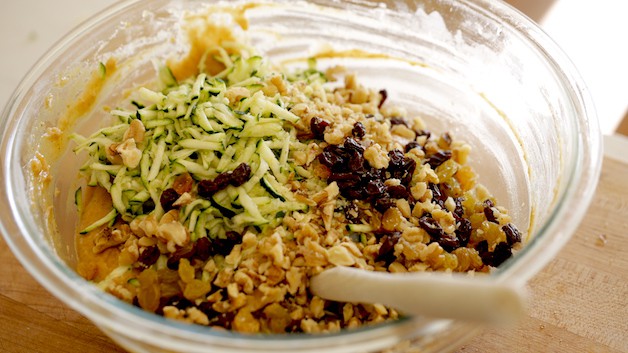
(396, 160)
(387, 248)
(352, 145)
(375, 187)
(411, 145)
(358, 130)
(148, 256)
(382, 204)
(488, 211)
(437, 195)
(206, 188)
(438, 158)
(501, 253)
(431, 226)
(397, 191)
(203, 248)
(384, 95)
(446, 139)
(512, 234)
(463, 231)
(184, 252)
(240, 174)
(459, 210)
(168, 198)
(398, 121)
(424, 133)
(449, 242)
(318, 125)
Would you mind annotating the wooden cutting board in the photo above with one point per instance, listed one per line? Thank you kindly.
(578, 303)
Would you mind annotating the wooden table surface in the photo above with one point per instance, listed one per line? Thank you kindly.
(578, 303)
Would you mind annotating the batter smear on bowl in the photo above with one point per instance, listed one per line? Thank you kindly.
(215, 199)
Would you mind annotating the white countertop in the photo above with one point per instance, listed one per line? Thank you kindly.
(593, 37)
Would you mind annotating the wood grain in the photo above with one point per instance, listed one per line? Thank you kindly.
(578, 303)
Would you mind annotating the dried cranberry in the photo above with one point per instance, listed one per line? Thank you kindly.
(359, 130)
(438, 158)
(168, 198)
(240, 174)
(148, 256)
(318, 125)
(512, 234)
(384, 95)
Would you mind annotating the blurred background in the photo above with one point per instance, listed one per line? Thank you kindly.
(592, 35)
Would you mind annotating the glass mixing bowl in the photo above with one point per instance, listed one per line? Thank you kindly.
(476, 68)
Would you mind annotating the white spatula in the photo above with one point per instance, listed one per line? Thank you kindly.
(437, 295)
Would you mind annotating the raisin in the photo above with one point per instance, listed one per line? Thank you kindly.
(184, 252)
(398, 121)
(343, 177)
(411, 145)
(431, 226)
(396, 160)
(424, 133)
(222, 180)
(179, 302)
(448, 242)
(397, 191)
(168, 198)
(409, 167)
(438, 158)
(358, 130)
(203, 249)
(352, 145)
(488, 211)
(149, 256)
(501, 253)
(318, 125)
(463, 231)
(382, 204)
(375, 188)
(224, 246)
(459, 210)
(437, 196)
(387, 248)
(240, 174)
(512, 234)
(206, 188)
(384, 95)
(485, 255)
(356, 161)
